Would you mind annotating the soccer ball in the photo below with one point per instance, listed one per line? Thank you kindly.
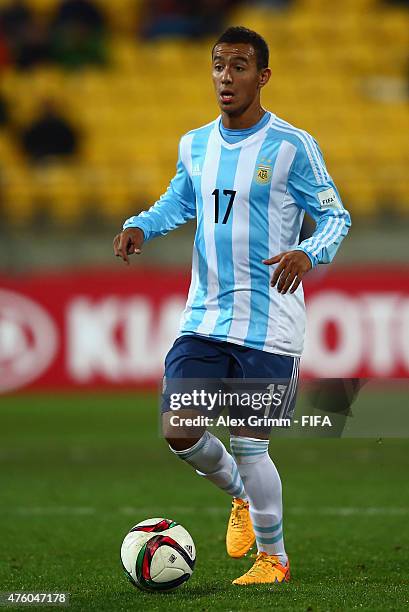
(158, 555)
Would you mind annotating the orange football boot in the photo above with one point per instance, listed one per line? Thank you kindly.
(240, 534)
(267, 569)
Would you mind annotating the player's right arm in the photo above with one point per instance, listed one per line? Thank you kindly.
(175, 207)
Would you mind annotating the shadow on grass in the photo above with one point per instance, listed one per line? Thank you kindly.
(140, 600)
(201, 590)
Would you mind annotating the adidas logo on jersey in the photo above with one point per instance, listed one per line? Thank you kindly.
(196, 171)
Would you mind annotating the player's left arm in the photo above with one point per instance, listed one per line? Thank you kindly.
(313, 190)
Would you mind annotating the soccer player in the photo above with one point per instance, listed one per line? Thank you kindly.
(248, 178)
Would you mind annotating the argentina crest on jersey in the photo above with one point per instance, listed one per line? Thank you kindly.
(263, 172)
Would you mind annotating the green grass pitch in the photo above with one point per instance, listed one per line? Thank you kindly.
(77, 471)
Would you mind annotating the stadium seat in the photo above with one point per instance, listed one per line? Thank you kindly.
(326, 64)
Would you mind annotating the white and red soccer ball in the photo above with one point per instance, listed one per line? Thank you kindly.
(158, 555)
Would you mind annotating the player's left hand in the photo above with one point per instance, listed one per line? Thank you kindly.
(292, 265)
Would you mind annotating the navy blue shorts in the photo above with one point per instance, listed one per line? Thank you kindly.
(203, 359)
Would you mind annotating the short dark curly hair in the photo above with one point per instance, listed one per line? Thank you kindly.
(240, 34)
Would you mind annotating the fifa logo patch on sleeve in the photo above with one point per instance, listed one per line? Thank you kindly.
(263, 174)
(329, 199)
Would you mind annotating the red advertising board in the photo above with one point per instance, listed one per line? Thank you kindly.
(111, 329)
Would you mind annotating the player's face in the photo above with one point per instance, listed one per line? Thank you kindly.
(236, 77)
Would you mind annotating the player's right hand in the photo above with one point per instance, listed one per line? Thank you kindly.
(128, 242)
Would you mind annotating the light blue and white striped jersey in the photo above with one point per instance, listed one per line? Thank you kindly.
(249, 199)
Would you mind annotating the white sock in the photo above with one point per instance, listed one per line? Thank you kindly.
(263, 487)
(211, 460)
